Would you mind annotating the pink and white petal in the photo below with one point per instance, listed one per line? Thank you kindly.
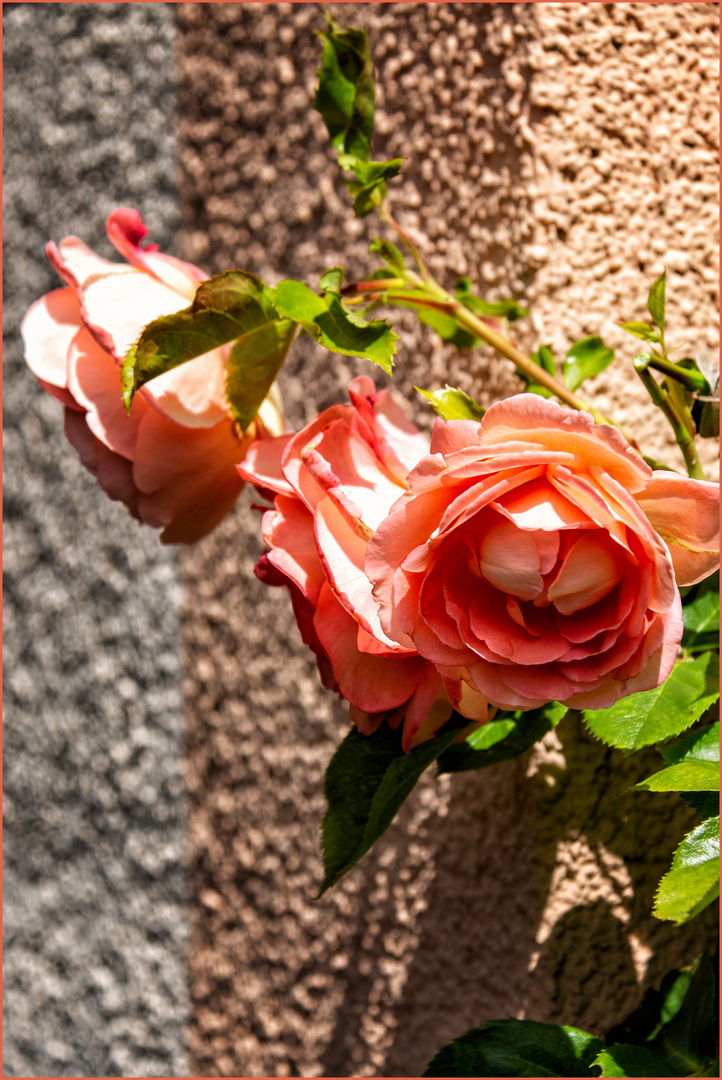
(194, 393)
(509, 559)
(373, 684)
(463, 695)
(544, 423)
(540, 507)
(450, 436)
(288, 530)
(393, 437)
(292, 464)
(81, 439)
(48, 327)
(94, 382)
(686, 515)
(187, 477)
(497, 693)
(262, 465)
(121, 301)
(126, 231)
(427, 711)
(590, 571)
(346, 467)
(76, 262)
(62, 395)
(115, 477)
(342, 552)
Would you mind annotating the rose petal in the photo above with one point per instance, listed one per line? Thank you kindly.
(685, 513)
(49, 325)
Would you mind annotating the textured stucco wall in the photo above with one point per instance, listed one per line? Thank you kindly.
(524, 129)
(95, 894)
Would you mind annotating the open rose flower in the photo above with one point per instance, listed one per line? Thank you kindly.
(332, 484)
(173, 459)
(536, 554)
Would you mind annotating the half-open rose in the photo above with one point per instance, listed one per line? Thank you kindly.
(332, 484)
(173, 459)
(535, 554)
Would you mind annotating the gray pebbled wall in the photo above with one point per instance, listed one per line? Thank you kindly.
(95, 898)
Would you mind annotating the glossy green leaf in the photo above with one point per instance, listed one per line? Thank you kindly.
(333, 325)
(388, 252)
(702, 744)
(686, 776)
(445, 326)
(517, 1048)
(693, 881)
(369, 187)
(501, 739)
(641, 330)
(625, 1060)
(366, 782)
(689, 1040)
(585, 358)
(332, 280)
(500, 309)
(346, 95)
(659, 714)
(253, 364)
(544, 357)
(452, 404)
(701, 616)
(656, 300)
(224, 308)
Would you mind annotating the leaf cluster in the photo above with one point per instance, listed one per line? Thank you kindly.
(259, 323)
(654, 718)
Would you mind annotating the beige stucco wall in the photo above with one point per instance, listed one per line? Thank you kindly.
(557, 152)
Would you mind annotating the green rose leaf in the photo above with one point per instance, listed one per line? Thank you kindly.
(701, 620)
(659, 714)
(693, 881)
(346, 95)
(641, 330)
(369, 187)
(224, 308)
(388, 252)
(500, 309)
(445, 325)
(332, 280)
(253, 364)
(699, 745)
(544, 357)
(366, 782)
(452, 404)
(517, 1048)
(586, 357)
(655, 300)
(501, 739)
(333, 325)
(686, 776)
(625, 1060)
(689, 1040)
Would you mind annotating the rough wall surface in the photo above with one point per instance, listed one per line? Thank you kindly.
(95, 897)
(525, 129)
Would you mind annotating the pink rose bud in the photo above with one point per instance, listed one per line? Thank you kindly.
(173, 459)
(333, 484)
(535, 556)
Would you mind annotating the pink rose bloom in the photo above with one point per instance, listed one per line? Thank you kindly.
(173, 459)
(332, 485)
(536, 555)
